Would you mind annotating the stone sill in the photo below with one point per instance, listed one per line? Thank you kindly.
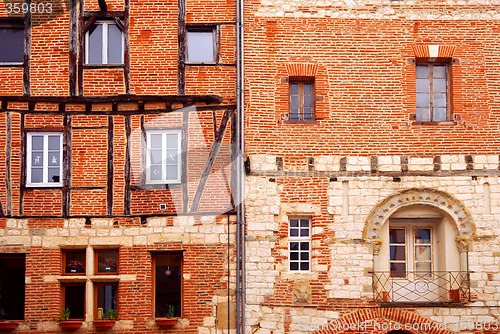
(443, 123)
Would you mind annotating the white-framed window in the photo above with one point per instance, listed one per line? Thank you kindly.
(44, 159)
(163, 159)
(104, 43)
(299, 244)
(202, 45)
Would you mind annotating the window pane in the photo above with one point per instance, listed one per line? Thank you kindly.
(12, 288)
(171, 172)
(155, 156)
(294, 89)
(307, 89)
(294, 246)
(107, 261)
(75, 262)
(423, 269)
(422, 100)
(398, 253)
(37, 143)
(294, 266)
(294, 101)
(54, 159)
(439, 71)
(172, 157)
(304, 245)
(422, 85)
(36, 175)
(54, 143)
(304, 266)
(440, 114)
(439, 100)
(422, 235)
(106, 298)
(155, 172)
(304, 223)
(37, 159)
(422, 71)
(440, 85)
(304, 256)
(156, 141)
(168, 286)
(115, 47)
(294, 114)
(11, 45)
(304, 232)
(74, 299)
(308, 113)
(294, 255)
(95, 44)
(172, 140)
(397, 236)
(294, 223)
(294, 232)
(398, 269)
(423, 253)
(423, 115)
(200, 47)
(54, 175)
(308, 102)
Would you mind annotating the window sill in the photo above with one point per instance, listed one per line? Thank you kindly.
(97, 66)
(440, 123)
(43, 186)
(155, 186)
(12, 65)
(210, 64)
(309, 122)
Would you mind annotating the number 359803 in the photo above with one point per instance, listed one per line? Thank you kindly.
(17, 8)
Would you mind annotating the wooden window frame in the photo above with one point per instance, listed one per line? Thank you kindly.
(96, 297)
(96, 261)
(64, 253)
(63, 299)
(301, 81)
(215, 30)
(300, 239)
(430, 68)
(155, 256)
(406, 252)
(164, 179)
(104, 43)
(45, 167)
(414, 244)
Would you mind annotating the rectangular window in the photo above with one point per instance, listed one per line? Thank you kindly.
(104, 43)
(202, 45)
(12, 287)
(299, 240)
(167, 285)
(44, 159)
(432, 92)
(163, 163)
(74, 262)
(106, 299)
(301, 100)
(106, 261)
(11, 43)
(397, 245)
(423, 252)
(74, 300)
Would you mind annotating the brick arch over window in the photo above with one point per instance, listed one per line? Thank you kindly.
(424, 196)
(393, 315)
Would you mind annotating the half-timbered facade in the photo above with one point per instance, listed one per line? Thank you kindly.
(117, 134)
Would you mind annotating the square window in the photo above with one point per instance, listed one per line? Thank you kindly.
(299, 242)
(104, 43)
(12, 287)
(74, 300)
(167, 285)
(106, 261)
(163, 160)
(301, 100)
(44, 159)
(431, 88)
(74, 262)
(201, 45)
(12, 43)
(106, 300)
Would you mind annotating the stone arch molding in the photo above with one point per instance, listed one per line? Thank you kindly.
(415, 322)
(425, 196)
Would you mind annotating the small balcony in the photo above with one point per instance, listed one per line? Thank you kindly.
(422, 288)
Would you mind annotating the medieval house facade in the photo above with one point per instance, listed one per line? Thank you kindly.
(117, 132)
(372, 193)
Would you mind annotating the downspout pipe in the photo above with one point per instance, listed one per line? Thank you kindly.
(240, 185)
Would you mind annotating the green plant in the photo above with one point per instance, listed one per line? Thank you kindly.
(65, 314)
(111, 314)
(171, 309)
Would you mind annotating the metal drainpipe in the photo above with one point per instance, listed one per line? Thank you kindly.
(240, 198)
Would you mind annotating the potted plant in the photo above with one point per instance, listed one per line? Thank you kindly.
(170, 320)
(106, 322)
(7, 325)
(66, 323)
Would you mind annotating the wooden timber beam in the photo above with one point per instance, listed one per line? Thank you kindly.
(211, 158)
(186, 99)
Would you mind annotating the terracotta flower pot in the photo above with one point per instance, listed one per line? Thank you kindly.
(70, 325)
(7, 325)
(166, 322)
(107, 323)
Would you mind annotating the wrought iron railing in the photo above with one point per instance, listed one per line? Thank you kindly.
(419, 287)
